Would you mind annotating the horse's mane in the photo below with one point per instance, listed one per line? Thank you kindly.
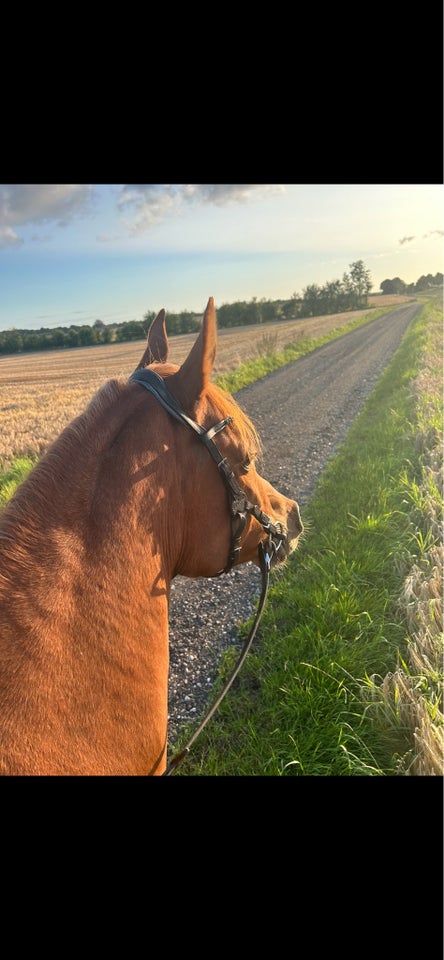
(223, 405)
(90, 433)
(96, 414)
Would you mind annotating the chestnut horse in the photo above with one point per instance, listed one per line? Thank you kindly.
(123, 500)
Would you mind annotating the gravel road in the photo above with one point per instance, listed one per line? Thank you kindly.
(302, 412)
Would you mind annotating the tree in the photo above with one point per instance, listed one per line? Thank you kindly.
(269, 311)
(290, 308)
(310, 303)
(395, 286)
(424, 282)
(86, 336)
(11, 341)
(57, 338)
(333, 296)
(187, 322)
(72, 337)
(252, 312)
(131, 330)
(361, 282)
(99, 328)
(230, 314)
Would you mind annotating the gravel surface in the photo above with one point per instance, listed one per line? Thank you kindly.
(302, 412)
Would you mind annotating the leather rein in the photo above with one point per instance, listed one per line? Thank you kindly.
(240, 507)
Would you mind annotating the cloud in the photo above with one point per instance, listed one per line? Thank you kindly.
(152, 203)
(8, 238)
(24, 203)
(141, 206)
(431, 233)
(223, 193)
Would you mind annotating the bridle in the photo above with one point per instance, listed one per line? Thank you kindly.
(240, 507)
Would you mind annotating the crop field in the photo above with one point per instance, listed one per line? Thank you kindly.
(345, 688)
(40, 393)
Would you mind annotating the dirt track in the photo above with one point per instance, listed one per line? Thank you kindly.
(303, 412)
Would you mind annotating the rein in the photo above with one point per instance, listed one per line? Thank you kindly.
(240, 506)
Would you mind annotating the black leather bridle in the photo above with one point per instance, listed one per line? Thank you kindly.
(240, 507)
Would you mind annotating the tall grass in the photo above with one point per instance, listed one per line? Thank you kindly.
(411, 697)
(334, 628)
(345, 676)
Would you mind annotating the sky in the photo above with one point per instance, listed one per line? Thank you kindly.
(76, 253)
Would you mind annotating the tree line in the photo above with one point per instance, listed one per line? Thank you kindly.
(336, 296)
(425, 282)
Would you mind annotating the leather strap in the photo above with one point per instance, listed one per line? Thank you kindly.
(240, 506)
(264, 560)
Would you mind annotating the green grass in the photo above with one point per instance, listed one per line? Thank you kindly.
(13, 476)
(332, 622)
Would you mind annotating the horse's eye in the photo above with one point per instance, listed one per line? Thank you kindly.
(246, 464)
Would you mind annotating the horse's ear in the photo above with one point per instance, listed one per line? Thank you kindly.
(157, 342)
(195, 371)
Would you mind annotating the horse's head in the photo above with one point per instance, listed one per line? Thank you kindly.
(219, 530)
(138, 488)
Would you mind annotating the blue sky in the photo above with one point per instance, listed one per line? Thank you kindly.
(75, 253)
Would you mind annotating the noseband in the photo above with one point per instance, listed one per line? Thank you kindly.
(240, 506)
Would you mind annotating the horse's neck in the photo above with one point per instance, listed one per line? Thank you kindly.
(83, 621)
(73, 539)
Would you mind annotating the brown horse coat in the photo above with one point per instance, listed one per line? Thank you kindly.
(123, 500)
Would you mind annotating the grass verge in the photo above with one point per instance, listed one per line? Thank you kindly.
(411, 697)
(346, 675)
(316, 696)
